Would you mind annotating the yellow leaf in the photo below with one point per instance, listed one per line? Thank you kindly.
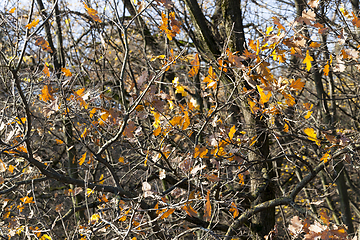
(234, 210)
(326, 69)
(181, 89)
(325, 157)
(89, 191)
(269, 30)
(207, 211)
(46, 70)
(286, 128)
(101, 181)
(82, 159)
(94, 218)
(312, 135)
(232, 132)
(308, 114)
(12, 10)
(121, 160)
(167, 213)
(45, 236)
(308, 59)
(84, 133)
(66, 72)
(58, 141)
(264, 98)
(11, 168)
(32, 24)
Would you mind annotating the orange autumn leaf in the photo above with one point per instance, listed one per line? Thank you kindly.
(326, 69)
(264, 98)
(297, 85)
(46, 94)
(12, 10)
(11, 168)
(82, 159)
(46, 70)
(207, 210)
(241, 179)
(157, 131)
(27, 200)
(167, 213)
(93, 13)
(286, 128)
(325, 157)
(40, 41)
(234, 210)
(66, 72)
(190, 210)
(200, 152)
(308, 59)
(32, 24)
(195, 66)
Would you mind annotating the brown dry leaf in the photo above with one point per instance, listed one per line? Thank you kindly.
(313, 3)
(190, 210)
(212, 177)
(53, 107)
(207, 211)
(296, 225)
(308, 16)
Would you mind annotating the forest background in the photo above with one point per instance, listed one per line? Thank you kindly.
(185, 119)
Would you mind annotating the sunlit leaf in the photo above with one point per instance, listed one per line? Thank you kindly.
(297, 85)
(27, 200)
(308, 59)
(325, 157)
(66, 72)
(312, 135)
(32, 24)
(82, 159)
(12, 10)
(264, 98)
(94, 218)
(308, 114)
(232, 132)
